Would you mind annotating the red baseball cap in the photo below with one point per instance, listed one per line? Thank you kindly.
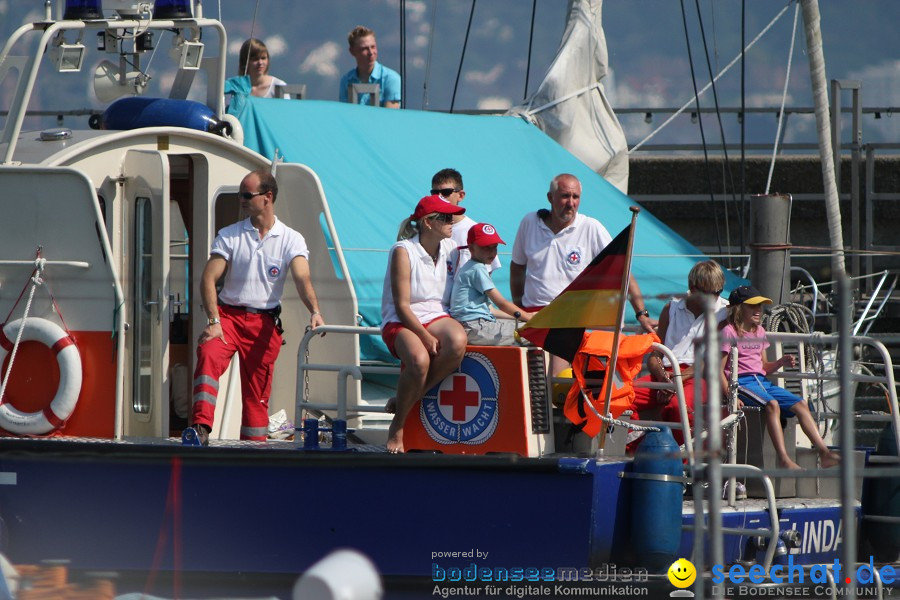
(483, 234)
(435, 204)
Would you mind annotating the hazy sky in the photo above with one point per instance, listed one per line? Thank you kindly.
(645, 38)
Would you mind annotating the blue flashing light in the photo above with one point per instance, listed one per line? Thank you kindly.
(172, 9)
(77, 10)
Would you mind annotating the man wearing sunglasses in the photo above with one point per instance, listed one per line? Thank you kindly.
(255, 256)
(448, 183)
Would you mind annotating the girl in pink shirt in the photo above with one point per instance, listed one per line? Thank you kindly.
(743, 329)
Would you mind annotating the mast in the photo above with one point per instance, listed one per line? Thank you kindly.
(811, 21)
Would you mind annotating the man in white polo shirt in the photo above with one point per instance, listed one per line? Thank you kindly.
(553, 246)
(255, 256)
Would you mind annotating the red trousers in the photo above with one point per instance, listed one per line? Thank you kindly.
(257, 342)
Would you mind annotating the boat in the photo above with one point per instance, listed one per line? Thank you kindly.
(106, 231)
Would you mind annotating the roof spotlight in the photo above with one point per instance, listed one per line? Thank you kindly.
(82, 10)
(187, 54)
(173, 9)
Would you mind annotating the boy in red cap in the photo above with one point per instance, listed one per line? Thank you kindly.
(474, 291)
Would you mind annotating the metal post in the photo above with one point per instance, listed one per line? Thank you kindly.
(869, 203)
(848, 498)
(836, 124)
(837, 86)
(713, 369)
(770, 247)
(854, 179)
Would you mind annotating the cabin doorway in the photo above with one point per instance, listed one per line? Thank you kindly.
(160, 190)
(147, 193)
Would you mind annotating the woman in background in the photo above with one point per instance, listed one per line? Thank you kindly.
(254, 78)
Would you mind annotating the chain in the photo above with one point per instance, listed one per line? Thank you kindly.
(306, 378)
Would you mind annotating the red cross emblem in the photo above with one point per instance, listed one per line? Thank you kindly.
(459, 398)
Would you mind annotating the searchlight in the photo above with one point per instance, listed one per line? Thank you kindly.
(77, 10)
(173, 9)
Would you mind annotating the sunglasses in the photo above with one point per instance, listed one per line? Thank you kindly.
(250, 195)
(443, 218)
(445, 192)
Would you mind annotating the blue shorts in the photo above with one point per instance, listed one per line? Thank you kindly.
(756, 390)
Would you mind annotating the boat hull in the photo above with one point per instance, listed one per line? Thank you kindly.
(269, 508)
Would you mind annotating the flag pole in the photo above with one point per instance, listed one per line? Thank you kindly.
(620, 316)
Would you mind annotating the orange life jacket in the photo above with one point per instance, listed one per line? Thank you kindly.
(590, 363)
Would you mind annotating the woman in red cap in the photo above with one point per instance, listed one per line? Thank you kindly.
(415, 324)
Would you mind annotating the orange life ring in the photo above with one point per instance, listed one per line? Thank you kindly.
(63, 404)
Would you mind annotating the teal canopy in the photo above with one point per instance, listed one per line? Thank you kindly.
(375, 164)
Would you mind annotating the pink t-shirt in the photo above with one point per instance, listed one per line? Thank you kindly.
(750, 349)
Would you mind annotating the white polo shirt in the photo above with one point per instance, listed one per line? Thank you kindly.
(553, 260)
(428, 282)
(257, 268)
(684, 328)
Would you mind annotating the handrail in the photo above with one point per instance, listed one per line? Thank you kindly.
(343, 371)
(25, 86)
(677, 386)
(78, 264)
(887, 379)
(774, 530)
(826, 339)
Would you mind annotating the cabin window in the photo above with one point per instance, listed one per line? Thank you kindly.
(143, 293)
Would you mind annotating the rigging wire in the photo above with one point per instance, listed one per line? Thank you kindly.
(727, 164)
(428, 59)
(687, 40)
(530, 40)
(787, 78)
(252, 29)
(707, 86)
(743, 207)
(402, 53)
(462, 56)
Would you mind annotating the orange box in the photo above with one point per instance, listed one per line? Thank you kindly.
(497, 401)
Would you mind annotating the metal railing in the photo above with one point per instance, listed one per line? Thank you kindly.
(343, 372)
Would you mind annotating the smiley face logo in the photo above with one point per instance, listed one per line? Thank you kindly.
(682, 573)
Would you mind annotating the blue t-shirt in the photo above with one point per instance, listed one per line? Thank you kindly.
(468, 300)
(388, 79)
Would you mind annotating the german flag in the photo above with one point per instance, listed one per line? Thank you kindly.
(589, 302)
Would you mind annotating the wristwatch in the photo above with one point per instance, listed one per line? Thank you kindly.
(213, 321)
(641, 313)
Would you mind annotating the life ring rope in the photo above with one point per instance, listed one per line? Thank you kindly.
(36, 280)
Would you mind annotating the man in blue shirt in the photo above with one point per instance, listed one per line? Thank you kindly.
(369, 70)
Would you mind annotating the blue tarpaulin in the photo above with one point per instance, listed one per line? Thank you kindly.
(376, 163)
